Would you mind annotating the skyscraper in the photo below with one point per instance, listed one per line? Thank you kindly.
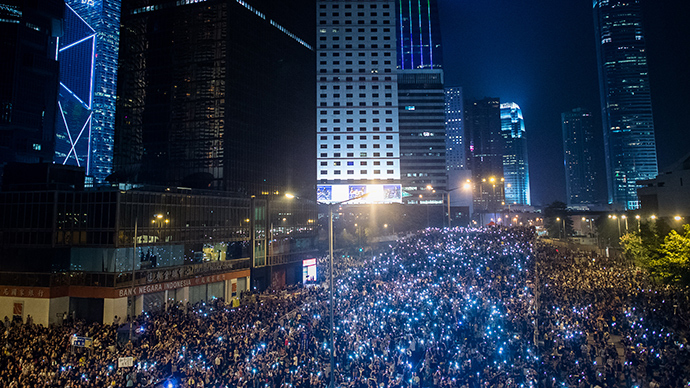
(357, 104)
(217, 94)
(421, 102)
(515, 161)
(419, 35)
(422, 135)
(484, 146)
(579, 157)
(455, 147)
(28, 79)
(87, 53)
(625, 99)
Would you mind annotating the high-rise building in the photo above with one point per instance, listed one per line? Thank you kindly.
(579, 157)
(455, 148)
(515, 161)
(217, 94)
(625, 99)
(422, 135)
(484, 146)
(421, 102)
(357, 104)
(419, 35)
(28, 79)
(87, 53)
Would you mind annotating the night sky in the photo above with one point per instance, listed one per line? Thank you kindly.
(541, 55)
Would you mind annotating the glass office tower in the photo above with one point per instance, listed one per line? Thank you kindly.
(578, 157)
(217, 95)
(87, 53)
(515, 165)
(625, 99)
(28, 79)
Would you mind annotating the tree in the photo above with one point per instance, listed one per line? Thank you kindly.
(675, 262)
(663, 252)
(635, 249)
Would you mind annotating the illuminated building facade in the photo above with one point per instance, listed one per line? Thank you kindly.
(28, 79)
(515, 161)
(579, 157)
(358, 141)
(422, 135)
(88, 53)
(629, 142)
(455, 148)
(217, 94)
(419, 35)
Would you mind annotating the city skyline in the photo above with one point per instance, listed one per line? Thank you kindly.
(552, 68)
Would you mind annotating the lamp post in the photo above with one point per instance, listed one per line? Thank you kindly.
(558, 219)
(615, 217)
(626, 222)
(330, 294)
(134, 254)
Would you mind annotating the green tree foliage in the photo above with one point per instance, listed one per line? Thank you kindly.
(675, 252)
(664, 252)
(635, 249)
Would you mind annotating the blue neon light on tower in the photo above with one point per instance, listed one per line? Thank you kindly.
(419, 35)
(87, 53)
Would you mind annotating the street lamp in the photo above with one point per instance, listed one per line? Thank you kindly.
(615, 217)
(626, 222)
(559, 226)
(330, 296)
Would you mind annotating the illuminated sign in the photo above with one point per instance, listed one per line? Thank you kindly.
(374, 193)
(308, 270)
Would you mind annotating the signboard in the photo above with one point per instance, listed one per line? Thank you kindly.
(308, 271)
(391, 193)
(81, 342)
(125, 362)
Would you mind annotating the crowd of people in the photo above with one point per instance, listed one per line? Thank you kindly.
(602, 321)
(441, 308)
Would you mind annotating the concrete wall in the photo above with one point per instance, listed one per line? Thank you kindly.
(38, 308)
(114, 307)
(58, 306)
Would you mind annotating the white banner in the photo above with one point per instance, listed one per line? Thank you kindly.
(125, 362)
